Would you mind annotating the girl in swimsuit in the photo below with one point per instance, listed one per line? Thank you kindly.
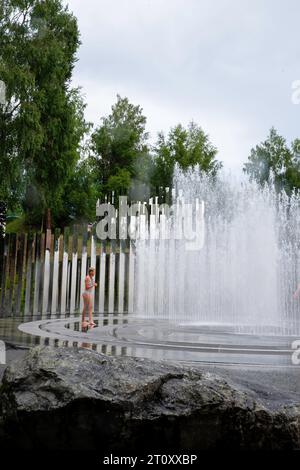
(88, 299)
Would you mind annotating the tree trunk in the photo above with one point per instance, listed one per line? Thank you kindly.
(3, 213)
(48, 219)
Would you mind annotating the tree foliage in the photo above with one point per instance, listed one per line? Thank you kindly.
(42, 126)
(119, 146)
(80, 196)
(274, 157)
(187, 147)
(43, 119)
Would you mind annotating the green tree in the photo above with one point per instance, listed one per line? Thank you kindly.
(163, 164)
(120, 182)
(119, 146)
(80, 196)
(273, 156)
(187, 147)
(44, 120)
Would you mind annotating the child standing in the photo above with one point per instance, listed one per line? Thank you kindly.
(87, 295)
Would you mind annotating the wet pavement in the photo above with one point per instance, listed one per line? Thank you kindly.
(128, 335)
(259, 362)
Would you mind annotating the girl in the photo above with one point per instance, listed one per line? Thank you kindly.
(88, 298)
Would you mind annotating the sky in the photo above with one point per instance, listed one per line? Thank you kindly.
(229, 65)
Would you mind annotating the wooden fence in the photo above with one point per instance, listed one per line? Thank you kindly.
(44, 273)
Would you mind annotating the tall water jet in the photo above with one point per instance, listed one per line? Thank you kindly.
(245, 272)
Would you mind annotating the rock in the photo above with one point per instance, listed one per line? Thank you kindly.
(63, 398)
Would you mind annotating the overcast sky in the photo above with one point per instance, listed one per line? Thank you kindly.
(229, 65)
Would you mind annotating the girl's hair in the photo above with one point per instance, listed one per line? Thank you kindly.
(91, 269)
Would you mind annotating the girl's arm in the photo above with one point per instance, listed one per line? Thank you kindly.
(87, 283)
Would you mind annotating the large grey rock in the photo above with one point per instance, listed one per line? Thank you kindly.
(61, 398)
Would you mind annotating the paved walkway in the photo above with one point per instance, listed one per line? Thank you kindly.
(261, 364)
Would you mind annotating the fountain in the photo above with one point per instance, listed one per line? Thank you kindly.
(244, 275)
(223, 297)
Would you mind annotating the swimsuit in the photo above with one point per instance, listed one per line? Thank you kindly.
(90, 287)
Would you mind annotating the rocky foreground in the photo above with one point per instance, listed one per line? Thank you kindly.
(61, 398)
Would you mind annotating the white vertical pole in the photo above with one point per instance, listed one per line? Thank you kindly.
(82, 277)
(36, 283)
(131, 279)
(179, 246)
(111, 285)
(46, 273)
(64, 282)
(102, 277)
(28, 279)
(55, 276)
(161, 263)
(121, 277)
(151, 261)
(172, 278)
(73, 282)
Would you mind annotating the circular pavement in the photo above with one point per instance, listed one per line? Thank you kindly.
(127, 335)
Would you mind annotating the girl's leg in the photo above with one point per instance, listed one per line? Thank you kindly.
(85, 307)
(91, 312)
